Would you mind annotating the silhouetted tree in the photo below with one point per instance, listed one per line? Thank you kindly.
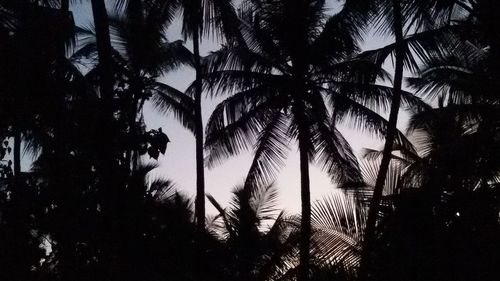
(279, 79)
(142, 54)
(262, 250)
(200, 18)
(397, 18)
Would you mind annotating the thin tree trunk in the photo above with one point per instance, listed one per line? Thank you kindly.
(200, 172)
(65, 193)
(369, 237)
(107, 163)
(132, 117)
(305, 223)
(104, 51)
(108, 170)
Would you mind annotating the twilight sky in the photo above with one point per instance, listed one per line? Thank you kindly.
(178, 164)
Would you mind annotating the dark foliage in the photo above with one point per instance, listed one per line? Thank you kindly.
(78, 201)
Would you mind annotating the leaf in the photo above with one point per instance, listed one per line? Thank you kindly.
(153, 152)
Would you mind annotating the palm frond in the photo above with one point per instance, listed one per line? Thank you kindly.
(333, 152)
(233, 127)
(167, 99)
(162, 189)
(338, 224)
(264, 201)
(221, 20)
(270, 152)
(359, 117)
(228, 226)
(423, 45)
(363, 190)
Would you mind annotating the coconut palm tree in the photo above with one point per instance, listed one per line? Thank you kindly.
(293, 62)
(397, 18)
(263, 249)
(466, 119)
(199, 19)
(444, 195)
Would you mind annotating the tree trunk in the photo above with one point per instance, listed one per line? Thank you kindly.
(65, 192)
(305, 193)
(369, 237)
(200, 172)
(107, 162)
(104, 51)
(109, 188)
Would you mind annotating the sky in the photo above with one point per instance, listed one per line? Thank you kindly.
(178, 163)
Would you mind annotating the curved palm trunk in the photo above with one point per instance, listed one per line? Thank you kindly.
(369, 237)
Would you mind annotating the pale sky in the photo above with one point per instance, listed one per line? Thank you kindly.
(178, 164)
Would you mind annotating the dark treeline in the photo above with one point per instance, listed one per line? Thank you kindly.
(426, 206)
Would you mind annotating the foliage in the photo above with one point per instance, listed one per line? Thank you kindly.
(88, 208)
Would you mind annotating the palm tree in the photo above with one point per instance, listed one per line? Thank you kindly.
(201, 18)
(260, 246)
(140, 37)
(442, 195)
(398, 18)
(293, 60)
(466, 118)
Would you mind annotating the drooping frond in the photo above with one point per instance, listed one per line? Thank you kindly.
(233, 128)
(333, 152)
(359, 117)
(167, 99)
(459, 77)
(270, 152)
(336, 42)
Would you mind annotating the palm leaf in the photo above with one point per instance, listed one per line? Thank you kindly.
(167, 99)
(270, 152)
